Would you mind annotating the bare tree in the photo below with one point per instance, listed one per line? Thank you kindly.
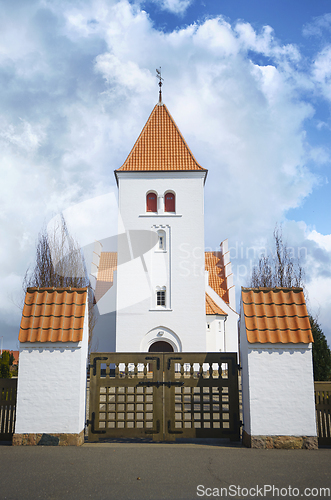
(60, 263)
(279, 269)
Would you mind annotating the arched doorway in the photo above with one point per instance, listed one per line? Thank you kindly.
(161, 346)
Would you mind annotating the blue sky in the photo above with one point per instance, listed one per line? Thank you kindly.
(248, 84)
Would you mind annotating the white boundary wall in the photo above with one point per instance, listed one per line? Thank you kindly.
(51, 394)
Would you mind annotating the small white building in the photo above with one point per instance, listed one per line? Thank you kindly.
(159, 290)
(277, 371)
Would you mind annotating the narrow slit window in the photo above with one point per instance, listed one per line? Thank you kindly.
(151, 202)
(162, 240)
(169, 202)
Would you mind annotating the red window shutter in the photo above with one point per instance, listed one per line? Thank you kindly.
(151, 202)
(169, 204)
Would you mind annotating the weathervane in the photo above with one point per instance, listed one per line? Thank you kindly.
(158, 75)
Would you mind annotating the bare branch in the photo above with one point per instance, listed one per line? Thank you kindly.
(279, 270)
(60, 263)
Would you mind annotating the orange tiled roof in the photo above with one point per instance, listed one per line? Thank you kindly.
(160, 146)
(53, 315)
(276, 315)
(212, 307)
(107, 266)
(216, 278)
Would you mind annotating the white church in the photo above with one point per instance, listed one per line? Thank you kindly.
(158, 291)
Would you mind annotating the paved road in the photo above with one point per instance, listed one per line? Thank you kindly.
(145, 471)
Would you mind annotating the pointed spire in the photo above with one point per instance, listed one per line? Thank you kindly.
(160, 146)
(158, 75)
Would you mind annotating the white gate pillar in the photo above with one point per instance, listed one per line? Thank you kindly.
(277, 370)
(51, 393)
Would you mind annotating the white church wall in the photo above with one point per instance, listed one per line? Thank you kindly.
(230, 325)
(104, 332)
(231, 332)
(184, 279)
(158, 334)
(215, 333)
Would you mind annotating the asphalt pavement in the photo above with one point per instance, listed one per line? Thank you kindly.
(142, 471)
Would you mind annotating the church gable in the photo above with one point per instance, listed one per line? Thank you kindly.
(212, 308)
(160, 147)
(216, 274)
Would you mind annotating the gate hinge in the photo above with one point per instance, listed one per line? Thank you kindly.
(91, 422)
(151, 358)
(173, 432)
(98, 358)
(172, 358)
(154, 431)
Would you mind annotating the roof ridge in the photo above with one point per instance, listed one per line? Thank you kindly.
(275, 288)
(56, 289)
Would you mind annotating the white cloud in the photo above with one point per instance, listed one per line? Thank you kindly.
(322, 71)
(317, 26)
(174, 6)
(24, 136)
(265, 43)
(323, 240)
(126, 75)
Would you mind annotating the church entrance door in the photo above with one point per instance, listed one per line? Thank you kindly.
(161, 346)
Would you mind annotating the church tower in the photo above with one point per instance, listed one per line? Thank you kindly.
(161, 265)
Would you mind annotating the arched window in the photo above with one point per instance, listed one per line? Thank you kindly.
(151, 202)
(169, 202)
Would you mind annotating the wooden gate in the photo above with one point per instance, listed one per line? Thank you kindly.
(8, 387)
(164, 396)
(323, 412)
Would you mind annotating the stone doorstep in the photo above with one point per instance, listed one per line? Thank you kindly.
(280, 442)
(43, 439)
